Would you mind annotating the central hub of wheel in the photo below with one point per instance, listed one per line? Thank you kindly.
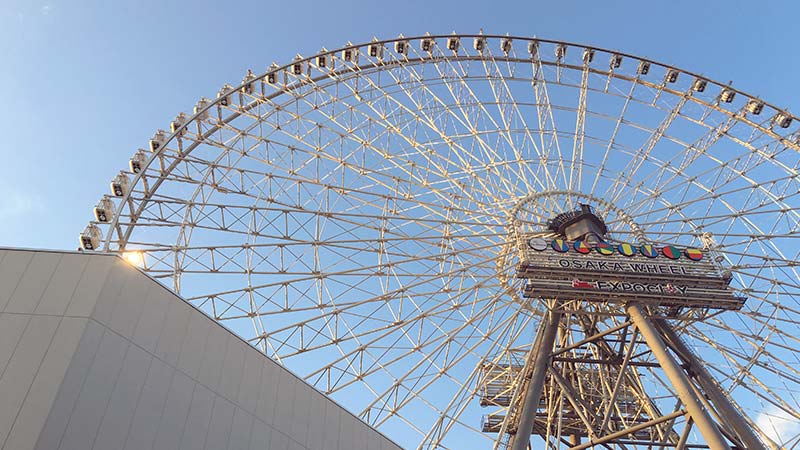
(573, 259)
(578, 225)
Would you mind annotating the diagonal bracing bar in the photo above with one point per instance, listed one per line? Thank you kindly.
(540, 358)
(729, 412)
(701, 417)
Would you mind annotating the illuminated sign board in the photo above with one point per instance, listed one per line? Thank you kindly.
(619, 272)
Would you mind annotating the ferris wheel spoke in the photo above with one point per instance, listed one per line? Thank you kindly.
(612, 139)
(698, 149)
(429, 344)
(760, 352)
(399, 318)
(708, 196)
(442, 371)
(423, 183)
(511, 115)
(545, 115)
(339, 189)
(647, 147)
(447, 420)
(356, 272)
(379, 117)
(764, 392)
(462, 93)
(464, 155)
(576, 169)
(439, 429)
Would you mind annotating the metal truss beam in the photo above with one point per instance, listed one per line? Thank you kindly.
(540, 358)
(683, 387)
(729, 412)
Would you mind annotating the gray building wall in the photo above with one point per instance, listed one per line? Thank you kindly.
(94, 354)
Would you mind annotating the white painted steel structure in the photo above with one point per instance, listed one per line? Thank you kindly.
(354, 215)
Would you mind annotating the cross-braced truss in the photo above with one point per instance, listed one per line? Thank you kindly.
(351, 215)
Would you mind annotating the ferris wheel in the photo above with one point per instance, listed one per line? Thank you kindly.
(365, 217)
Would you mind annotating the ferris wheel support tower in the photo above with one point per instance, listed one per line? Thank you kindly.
(704, 404)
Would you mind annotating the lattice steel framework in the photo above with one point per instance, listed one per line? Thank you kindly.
(354, 216)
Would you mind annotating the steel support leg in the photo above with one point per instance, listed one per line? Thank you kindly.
(729, 412)
(679, 380)
(540, 359)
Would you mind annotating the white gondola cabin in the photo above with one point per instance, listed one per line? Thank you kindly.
(453, 42)
(224, 95)
(401, 47)
(783, 120)
(137, 162)
(671, 76)
(104, 210)
(120, 185)
(755, 106)
(90, 238)
(157, 141)
(505, 45)
(200, 108)
(727, 95)
(699, 85)
(616, 61)
(479, 43)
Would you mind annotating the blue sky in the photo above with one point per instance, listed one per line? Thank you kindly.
(84, 84)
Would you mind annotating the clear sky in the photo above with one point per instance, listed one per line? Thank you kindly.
(84, 84)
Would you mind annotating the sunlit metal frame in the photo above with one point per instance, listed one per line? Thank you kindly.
(772, 138)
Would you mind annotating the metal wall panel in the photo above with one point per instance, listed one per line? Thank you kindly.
(67, 397)
(128, 306)
(151, 320)
(39, 400)
(62, 285)
(233, 363)
(268, 394)
(173, 329)
(194, 348)
(173, 421)
(95, 394)
(11, 328)
(90, 284)
(241, 429)
(219, 429)
(12, 268)
(194, 435)
(122, 405)
(150, 406)
(136, 368)
(23, 367)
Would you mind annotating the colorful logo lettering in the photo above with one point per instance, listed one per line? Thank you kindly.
(648, 251)
(671, 252)
(537, 244)
(626, 249)
(560, 245)
(604, 248)
(582, 247)
(576, 283)
(693, 254)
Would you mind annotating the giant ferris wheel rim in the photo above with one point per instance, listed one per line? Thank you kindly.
(214, 102)
(477, 221)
